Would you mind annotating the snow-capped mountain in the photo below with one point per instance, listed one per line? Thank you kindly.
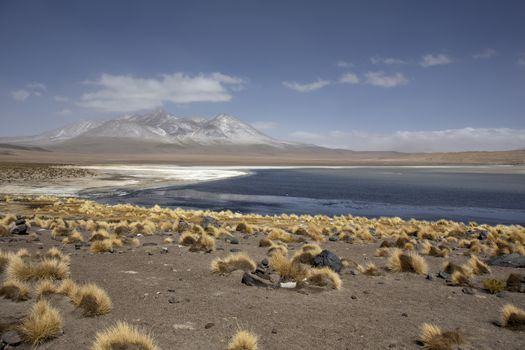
(158, 126)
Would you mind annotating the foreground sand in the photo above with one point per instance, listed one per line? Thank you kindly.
(175, 296)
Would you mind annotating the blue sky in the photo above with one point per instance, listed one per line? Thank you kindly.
(404, 75)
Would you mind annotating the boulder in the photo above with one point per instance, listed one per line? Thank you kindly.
(328, 259)
(19, 230)
(508, 260)
(253, 280)
(208, 221)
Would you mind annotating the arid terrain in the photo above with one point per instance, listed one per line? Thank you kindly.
(158, 266)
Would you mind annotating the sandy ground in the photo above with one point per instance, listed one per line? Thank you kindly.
(185, 306)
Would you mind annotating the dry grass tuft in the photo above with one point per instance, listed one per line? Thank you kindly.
(324, 276)
(15, 290)
(288, 270)
(407, 262)
(188, 238)
(123, 336)
(494, 286)
(103, 246)
(45, 288)
(370, 269)
(477, 266)
(74, 237)
(204, 243)
(265, 242)
(512, 317)
(458, 278)
(45, 269)
(42, 324)
(307, 253)
(68, 287)
(433, 338)
(243, 340)
(232, 263)
(244, 227)
(93, 300)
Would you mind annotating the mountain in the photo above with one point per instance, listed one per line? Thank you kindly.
(158, 127)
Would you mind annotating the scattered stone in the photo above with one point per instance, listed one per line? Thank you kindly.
(483, 235)
(20, 222)
(19, 230)
(164, 250)
(264, 262)
(149, 244)
(333, 238)
(274, 331)
(183, 226)
(508, 260)
(235, 250)
(468, 290)
(209, 325)
(502, 295)
(11, 338)
(253, 280)
(404, 314)
(353, 297)
(173, 300)
(329, 259)
(208, 221)
(430, 277)
(516, 283)
(232, 240)
(444, 275)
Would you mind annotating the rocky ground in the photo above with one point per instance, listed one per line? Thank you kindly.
(170, 292)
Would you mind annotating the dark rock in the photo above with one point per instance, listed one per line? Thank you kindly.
(173, 300)
(232, 240)
(209, 325)
(333, 238)
(183, 226)
(274, 331)
(19, 230)
(328, 259)
(516, 282)
(404, 314)
(430, 277)
(353, 297)
(444, 275)
(509, 260)
(468, 290)
(164, 250)
(20, 222)
(502, 295)
(252, 280)
(264, 262)
(483, 235)
(149, 244)
(11, 338)
(208, 221)
(235, 250)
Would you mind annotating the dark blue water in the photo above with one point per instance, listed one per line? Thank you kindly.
(460, 194)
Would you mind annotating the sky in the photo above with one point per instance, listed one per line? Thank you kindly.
(400, 75)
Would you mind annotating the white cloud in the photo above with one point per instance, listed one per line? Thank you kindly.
(60, 98)
(36, 86)
(344, 64)
(386, 60)
(385, 80)
(264, 125)
(435, 60)
(521, 59)
(451, 140)
(349, 78)
(125, 93)
(20, 95)
(485, 54)
(316, 85)
(31, 89)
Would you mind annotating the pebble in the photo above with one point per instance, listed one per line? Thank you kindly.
(11, 338)
(209, 325)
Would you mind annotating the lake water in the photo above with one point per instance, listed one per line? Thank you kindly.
(431, 193)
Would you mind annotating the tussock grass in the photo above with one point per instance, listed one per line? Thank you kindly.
(323, 277)
(307, 253)
(23, 253)
(265, 242)
(243, 340)
(73, 237)
(281, 235)
(370, 269)
(512, 317)
(494, 286)
(103, 246)
(93, 300)
(407, 262)
(43, 323)
(477, 266)
(44, 288)
(4, 260)
(232, 263)
(123, 336)
(433, 338)
(68, 287)
(167, 240)
(15, 290)
(99, 235)
(458, 278)
(188, 238)
(287, 269)
(204, 243)
(277, 248)
(244, 227)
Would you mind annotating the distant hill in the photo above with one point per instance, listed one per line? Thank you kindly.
(159, 136)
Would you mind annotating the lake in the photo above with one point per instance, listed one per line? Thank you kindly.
(485, 195)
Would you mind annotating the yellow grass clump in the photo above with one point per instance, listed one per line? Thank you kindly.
(244, 227)
(307, 253)
(103, 246)
(15, 290)
(43, 323)
(92, 299)
(512, 317)
(99, 235)
(123, 336)
(188, 238)
(243, 340)
(287, 269)
(46, 268)
(204, 243)
(477, 266)
(458, 278)
(494, 286)
(68, 287)
(265, 242)
(324, 276)
(370, 269)
(73, 237)
(433, 338)
(44, 288)
(232, 263)
(281, 235)
(407, 262)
